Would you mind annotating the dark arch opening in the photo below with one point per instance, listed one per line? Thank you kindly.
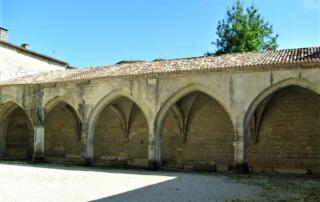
(16, 131)
(62, 134)
(198, 134)
(284, 133)
(121, 135)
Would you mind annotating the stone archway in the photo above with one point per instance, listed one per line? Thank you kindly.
(284, 131)
(16, 133)
(197, 133)
(62, 133)
(121, 134)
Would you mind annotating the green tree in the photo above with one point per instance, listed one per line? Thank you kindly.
(244, 30)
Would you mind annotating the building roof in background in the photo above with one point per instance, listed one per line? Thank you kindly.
(33, 53)
(226, 62)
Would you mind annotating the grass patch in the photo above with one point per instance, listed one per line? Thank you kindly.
(279, 188)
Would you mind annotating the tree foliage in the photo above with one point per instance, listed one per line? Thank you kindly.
(244, 30)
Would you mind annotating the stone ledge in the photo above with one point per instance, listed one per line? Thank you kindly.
(138, 162)
(205, 166)
(298, 171)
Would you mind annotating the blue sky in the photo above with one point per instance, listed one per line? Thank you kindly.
(102, 32)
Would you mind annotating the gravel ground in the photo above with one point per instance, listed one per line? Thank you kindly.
(53, 182)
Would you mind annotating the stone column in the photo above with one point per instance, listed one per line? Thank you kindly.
(154, 158)
(2, 140)
(39, 129)
(87, 145)
(38, 152)
(237, 93)
(240, 149)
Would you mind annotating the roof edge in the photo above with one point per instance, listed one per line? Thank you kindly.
(31, 52)
(247, 68)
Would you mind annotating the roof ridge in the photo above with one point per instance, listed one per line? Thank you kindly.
(204, 56)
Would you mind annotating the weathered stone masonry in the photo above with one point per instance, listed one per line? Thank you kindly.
(265, 117)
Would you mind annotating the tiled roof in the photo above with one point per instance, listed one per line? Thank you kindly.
(227, 62)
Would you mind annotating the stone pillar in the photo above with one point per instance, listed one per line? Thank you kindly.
(154, 154)
(39, 129)
(87, 145)
(240, 149)
(38, 152)
(2, 141)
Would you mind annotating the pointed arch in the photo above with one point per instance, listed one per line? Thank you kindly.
(105, 101)
(16, 132)
(273, 89)
(51, 104)
(96, 111)
(282, 127)
(163, 110)
(7, 107)
(115, 117)
(197, 116)
(62, 131)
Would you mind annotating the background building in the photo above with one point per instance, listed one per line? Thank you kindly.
(18, 61)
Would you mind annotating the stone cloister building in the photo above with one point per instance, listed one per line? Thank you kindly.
(258, 110)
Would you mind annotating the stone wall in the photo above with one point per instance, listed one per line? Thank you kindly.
(19, 137)
(62, 135)
(208, 135)
(289, 133)
(121, 135)
(189, 121)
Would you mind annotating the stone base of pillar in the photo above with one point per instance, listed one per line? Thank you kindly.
(153, 165)
(241, 168)
(37, 158)
(38, 153)
(153, 157)
(88, 161)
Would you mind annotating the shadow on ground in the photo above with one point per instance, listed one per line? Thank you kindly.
(176, 186)
(188, 188)
(146, 185)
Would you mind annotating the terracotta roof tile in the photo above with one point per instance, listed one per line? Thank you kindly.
(210, 63)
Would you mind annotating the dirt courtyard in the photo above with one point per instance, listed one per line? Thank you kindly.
(55, 182)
